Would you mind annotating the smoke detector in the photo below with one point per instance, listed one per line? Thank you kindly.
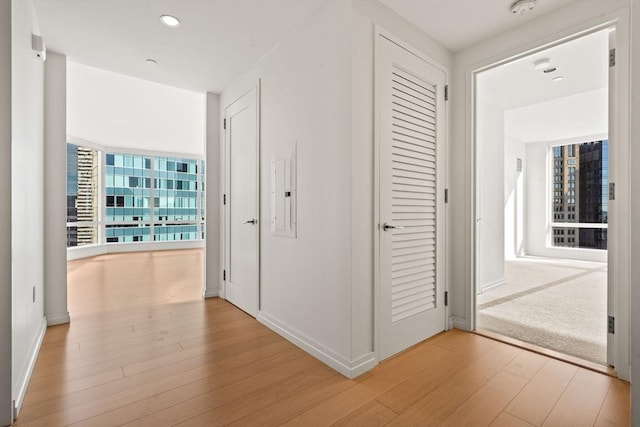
(521, 7)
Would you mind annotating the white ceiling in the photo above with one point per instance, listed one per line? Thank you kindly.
(218, 39)
(458, 24)
(584, 64)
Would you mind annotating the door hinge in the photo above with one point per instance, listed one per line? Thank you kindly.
(612, 191)
(224, 123)
(446, 298)
(612, 57)
(224, 199)
(224, 274)
(611, 325)
(446, 195)
(446, 92)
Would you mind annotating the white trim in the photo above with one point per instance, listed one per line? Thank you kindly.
(619, 129)
(210, 294)
(80, 252)
(492, 285)
(458, 323)
(348, 368)
(58, 320)
(23, 379)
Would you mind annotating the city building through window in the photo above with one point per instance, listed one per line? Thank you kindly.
(133, 197)
(580, 195)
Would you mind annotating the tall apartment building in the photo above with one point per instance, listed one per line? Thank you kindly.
(82, 195)
(594, 198)
(580, 180)
(87, 200)
(72, 194)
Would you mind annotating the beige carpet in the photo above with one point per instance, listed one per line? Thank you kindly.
(559, 305)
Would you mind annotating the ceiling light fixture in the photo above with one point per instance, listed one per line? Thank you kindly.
(549, 70)
(521, 7)
(541, 64)
(557, 79)
(170, 21)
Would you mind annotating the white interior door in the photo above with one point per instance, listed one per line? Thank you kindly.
(241, 213)
(411, 142)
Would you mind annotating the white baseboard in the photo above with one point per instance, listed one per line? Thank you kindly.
(24, 376)
(58, 320)
(210, 293)
(349, 369)
(492, 285)
(459, 323)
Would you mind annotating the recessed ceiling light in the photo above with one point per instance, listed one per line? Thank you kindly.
(557, 79)
(170, 21)
(151, 61)
(549, 70)
(521, 7)
(541, 64)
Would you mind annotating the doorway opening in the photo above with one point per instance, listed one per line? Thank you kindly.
(542, 171)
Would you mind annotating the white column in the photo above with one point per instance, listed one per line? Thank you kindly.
(214, 198)
(55, 181)
(6, 406)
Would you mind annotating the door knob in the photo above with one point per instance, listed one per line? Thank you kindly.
(251, 221)
(386, 227)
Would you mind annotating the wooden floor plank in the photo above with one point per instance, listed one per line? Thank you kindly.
(401, 367)
(526, 364)
(484, 406)
(371, 414)
(534, 403)
(146, 349)
(508, 420)
(442, 402)
(262, 397)
(615, 410)
(580, 403)
(407, 393)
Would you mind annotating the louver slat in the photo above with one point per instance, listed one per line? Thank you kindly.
(413, 188)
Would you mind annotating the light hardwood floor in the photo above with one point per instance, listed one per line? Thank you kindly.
(144, 349)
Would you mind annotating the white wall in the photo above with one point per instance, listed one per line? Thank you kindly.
(490, 131)
(27, 203)
(6, 406)
(316, 90)
(55, 188)
(514, 197)
(213, 208)
(365, 16)
(564, 22)
(635, 216)
(574, 116)
(115, 110)
(305, 99)
(577, 118)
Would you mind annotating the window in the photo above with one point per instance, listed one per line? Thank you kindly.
(582, 211)
(134, 209)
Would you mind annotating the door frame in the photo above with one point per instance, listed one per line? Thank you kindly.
(227, 187)
(619, 101)
(381, 32)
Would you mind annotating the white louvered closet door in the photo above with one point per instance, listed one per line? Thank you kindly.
(411, 139)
